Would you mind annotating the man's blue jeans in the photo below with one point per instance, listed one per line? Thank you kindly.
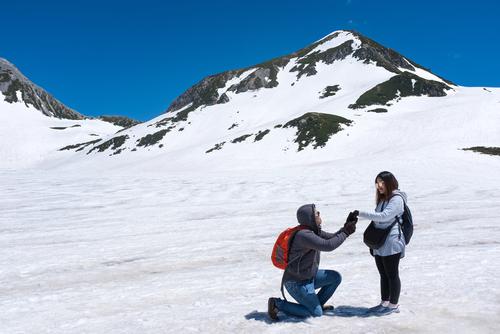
(309, 303)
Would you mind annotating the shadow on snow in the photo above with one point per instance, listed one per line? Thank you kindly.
(343, 311)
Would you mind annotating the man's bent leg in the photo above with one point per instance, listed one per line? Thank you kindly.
(304, 294)
(328, 281)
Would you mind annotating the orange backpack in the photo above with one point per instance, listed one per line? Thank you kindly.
(282, 246)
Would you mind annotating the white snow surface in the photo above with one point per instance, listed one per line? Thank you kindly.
(167, 252)
(167, 243)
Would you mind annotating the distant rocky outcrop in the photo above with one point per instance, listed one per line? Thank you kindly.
(13, 82)
(122, 121)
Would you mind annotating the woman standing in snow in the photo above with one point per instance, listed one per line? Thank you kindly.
(390, 207)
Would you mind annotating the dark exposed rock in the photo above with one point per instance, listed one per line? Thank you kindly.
(202, 93)
(162, 122)
(329, 91)
(316, 128)
(240, 139)
(377, 110)
(65, 127)
(114, 143)
(122, 121)
(261, 134)
(484, 150)
(382, 56)
(223, 99)
(233, 126)
(216, 147)
(152, 139)
(262, 77)
(307, 64)
(80, 146)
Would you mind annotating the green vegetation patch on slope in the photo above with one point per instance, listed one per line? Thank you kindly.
(401, 85)
(484, 150)
(316, 128)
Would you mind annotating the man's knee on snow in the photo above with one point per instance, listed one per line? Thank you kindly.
(317, 312)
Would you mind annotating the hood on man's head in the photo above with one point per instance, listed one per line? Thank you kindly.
(305, 216)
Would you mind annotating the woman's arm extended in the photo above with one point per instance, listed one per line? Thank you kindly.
(394, 208)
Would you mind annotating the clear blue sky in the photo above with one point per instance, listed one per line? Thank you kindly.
(135, 57)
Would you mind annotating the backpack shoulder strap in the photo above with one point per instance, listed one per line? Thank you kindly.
(297, 229)
(398, 219)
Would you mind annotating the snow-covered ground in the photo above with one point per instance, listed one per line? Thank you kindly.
(165, 251)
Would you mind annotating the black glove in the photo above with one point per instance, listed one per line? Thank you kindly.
(349, 228)
(352, 217)
(356, 213)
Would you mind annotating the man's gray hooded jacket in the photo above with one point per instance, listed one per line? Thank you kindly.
(304, 254)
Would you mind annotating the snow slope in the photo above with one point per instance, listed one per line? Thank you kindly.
(252, 110)
(28, 137)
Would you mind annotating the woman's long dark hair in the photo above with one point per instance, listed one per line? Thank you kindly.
(391, 184)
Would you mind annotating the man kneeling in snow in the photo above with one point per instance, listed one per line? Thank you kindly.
(301, 276)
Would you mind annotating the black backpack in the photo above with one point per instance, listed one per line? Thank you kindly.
(406, 223)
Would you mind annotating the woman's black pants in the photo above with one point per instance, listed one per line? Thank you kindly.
(390, 285)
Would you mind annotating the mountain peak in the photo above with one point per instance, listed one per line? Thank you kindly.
(336, 46)
(313, 91)
(13, 81)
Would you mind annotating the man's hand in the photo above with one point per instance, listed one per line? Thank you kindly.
(352, 217)
(349, 227)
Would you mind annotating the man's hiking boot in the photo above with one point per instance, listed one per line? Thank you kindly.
(272, 309)
(327, 308)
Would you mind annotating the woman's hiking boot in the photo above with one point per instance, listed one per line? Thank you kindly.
(387, 310)
(376, 309)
